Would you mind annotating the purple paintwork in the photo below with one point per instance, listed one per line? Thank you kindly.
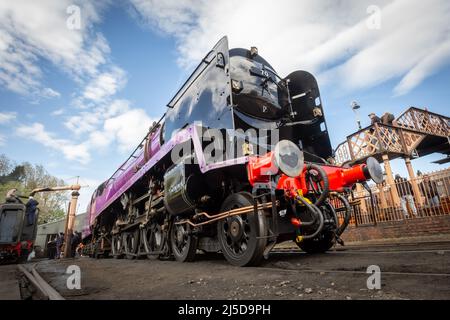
(135, 168)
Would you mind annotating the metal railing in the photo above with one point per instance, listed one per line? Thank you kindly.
(427, 195)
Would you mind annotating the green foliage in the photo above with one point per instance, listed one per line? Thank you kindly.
(26, 177)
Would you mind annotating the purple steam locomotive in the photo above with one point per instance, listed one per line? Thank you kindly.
(240, 161)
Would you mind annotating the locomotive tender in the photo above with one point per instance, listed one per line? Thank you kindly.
(240, 161)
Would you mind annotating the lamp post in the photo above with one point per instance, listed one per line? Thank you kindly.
(355, 107)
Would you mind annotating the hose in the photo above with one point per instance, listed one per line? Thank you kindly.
(316, 211)
(326, 185)
(308, 223)
(333, 211)
(347, 215)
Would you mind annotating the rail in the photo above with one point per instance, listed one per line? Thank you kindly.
(44, 290)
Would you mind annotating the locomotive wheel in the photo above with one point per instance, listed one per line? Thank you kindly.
(183, 244)
(117, 246)
(153, 239)
(131, 244)
(318, 245)
(239, 235)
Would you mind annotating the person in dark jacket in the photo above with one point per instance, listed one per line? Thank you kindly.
(405, 193)
(51, 248)
(59, 244)
(430, 192)
(74, 242)
(30, 211)
(387, 118)
(374, 118)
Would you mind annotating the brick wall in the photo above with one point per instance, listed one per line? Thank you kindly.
(417, 227)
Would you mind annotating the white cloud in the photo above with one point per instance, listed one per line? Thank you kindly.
(82, 123)
(31, 32)
(116, 123)
(89, 121)
(50, 93)
(427, 66)
(71, 151)
(105, 85)
(6, 117)
(34, 30)
(2, 140)
(329, 38)
(58, 112)
(127, 129)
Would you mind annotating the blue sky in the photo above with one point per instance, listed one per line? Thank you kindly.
(78, 100)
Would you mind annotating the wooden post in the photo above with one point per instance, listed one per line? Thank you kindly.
(67, 219)
(70, 224)
(361, 192)
(390, 180)
(382, 196)
(412, 177)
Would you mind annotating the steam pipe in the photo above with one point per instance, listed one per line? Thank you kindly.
(347, 215)
(333, 211)
(326, 184)
(314, 209)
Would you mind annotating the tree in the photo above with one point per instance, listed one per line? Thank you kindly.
(5, 165)
(26, 177)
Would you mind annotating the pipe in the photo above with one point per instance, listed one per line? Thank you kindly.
(333, 211)
(298, 223)
(226, 214)
(326, 184)
(347, 215)
(313, 208)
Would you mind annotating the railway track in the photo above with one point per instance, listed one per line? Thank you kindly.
(431, 247)
(325, 271)
(297, 251)
(34, 287)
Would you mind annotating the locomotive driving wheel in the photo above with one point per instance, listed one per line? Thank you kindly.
(117, 246)
(183, 242)
(154, 241)
(243, 237)
(131, 243)
(321, 244)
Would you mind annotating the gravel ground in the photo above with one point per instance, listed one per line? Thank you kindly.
(416, 271)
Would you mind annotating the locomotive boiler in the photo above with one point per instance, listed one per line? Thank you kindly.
(240, 161)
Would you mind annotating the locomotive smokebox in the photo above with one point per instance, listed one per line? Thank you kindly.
(182, 188)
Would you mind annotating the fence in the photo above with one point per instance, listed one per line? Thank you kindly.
(426, 196)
